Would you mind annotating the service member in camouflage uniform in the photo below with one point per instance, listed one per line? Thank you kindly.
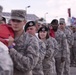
(38, 70)
(71, 42)
(30, 28)
(62, 43)
(68, 36)
(25, 53)
(71, 36)
(74, 47)
(48, 62)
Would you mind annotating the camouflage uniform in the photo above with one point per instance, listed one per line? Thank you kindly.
(48, 62)
(67, 61)
(74, 48)
(71, 42)
(62, 43)
(56, 49)
(72, 37)
(38, 70)
(25, 54)
(69, 35)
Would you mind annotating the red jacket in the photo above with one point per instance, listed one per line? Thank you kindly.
(5, 32)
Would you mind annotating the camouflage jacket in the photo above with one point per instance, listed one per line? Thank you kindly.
(38, 70)
(69, 37)
(62, 43)
(74, 45)
(25, 54)
(48, 61)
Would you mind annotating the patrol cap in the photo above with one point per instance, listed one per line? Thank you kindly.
(1, 8)
(54, 22)
(61, 21)
(29, 24)
(44, 28)
(18, 14)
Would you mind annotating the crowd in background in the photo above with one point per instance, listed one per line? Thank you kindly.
(39, 49)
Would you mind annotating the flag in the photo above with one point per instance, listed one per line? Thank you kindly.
(69, 12)
(73, 20)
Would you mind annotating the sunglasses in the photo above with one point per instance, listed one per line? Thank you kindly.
(61, 24)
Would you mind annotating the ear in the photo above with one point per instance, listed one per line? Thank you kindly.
(24, 22)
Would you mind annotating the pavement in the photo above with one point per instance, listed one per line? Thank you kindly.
(73, 71)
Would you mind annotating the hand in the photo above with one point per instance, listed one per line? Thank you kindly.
(10, 41)
(62, 59)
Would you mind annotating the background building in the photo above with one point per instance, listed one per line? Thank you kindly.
(29, 17)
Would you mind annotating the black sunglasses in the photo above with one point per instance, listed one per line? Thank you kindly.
(61, 24)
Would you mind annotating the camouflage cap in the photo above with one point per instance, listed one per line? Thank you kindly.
(18, 14)
(62, 20)
(1, 8)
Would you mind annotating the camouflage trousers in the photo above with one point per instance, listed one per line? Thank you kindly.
(73, 55)
(67, 66)
(59, 66)
(48, 68)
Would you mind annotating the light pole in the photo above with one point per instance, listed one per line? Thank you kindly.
(45, 15)
(26, 8)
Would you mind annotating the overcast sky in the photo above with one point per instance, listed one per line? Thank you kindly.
(55, 8)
